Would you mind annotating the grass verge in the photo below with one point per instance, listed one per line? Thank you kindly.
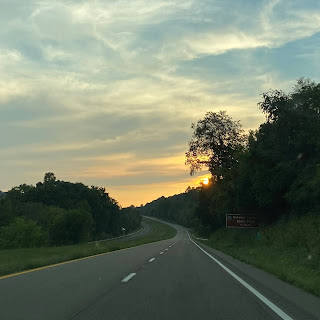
(283, 250)
(16, 260)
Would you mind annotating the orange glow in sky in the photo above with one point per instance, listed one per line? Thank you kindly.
(143, 193)
(205, 181)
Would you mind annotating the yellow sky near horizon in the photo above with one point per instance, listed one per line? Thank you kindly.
(136, 195)
(125, 166)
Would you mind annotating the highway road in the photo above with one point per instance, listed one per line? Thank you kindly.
(170, 279)
(146, 228)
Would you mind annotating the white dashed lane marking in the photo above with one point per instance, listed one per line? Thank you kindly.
(127, 278)
(152, 259)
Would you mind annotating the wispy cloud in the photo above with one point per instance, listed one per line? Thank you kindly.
(106, 91)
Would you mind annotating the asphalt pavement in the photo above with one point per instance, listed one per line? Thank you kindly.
(146, 229)
(170, 279)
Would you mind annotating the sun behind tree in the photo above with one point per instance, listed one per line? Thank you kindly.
(205, 181)
(216, 141)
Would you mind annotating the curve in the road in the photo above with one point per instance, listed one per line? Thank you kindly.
(146, 228)
(169, 279)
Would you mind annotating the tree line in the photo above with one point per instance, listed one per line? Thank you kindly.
(178, 208)
(273, 172)
(56, 213)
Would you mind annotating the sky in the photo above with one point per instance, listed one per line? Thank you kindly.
(104, 92)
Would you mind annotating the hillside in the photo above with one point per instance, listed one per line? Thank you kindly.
(57, 212)
(180, 208)
(274, 173)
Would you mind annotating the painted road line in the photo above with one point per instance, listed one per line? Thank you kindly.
(265, 300)
(68, 261)
(127, 278)
(152, 259)
(161, 252)
(166, 249)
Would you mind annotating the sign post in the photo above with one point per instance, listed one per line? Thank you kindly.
(123, 231)
(242, 221)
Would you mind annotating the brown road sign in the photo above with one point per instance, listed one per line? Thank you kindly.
(242, 221)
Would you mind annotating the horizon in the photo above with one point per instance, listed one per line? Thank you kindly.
(196, 183)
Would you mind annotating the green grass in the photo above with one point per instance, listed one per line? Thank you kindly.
(289, 250)
(16, 260)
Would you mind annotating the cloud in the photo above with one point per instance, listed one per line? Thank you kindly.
(106, 91)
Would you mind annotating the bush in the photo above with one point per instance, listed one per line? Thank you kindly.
(303, 232)
(22, 233)
(71, 227)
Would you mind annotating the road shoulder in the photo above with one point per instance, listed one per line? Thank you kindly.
(296, 302)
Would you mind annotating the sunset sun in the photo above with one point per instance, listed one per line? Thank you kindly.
(205, 181)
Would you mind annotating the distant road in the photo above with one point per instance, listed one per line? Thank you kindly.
(170, 279)
(145, 228)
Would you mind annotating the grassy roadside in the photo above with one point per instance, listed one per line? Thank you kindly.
(16, 260)
(284, 250)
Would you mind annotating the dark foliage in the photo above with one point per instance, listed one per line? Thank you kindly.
(179, 208)
(215, 143)
(275, 173)
(64, 212)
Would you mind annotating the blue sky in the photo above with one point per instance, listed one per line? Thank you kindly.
(104, 92)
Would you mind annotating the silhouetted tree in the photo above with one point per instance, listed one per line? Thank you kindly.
(67, 212)
(215, 143)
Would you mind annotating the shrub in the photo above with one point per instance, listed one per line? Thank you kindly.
(71, 227)
(22, 233)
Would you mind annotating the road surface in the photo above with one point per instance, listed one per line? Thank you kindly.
(144, 230)
(170, 279)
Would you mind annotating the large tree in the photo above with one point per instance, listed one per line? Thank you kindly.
(284, 153)
(216, 140)
(49, 177)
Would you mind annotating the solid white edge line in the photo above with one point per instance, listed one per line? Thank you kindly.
(266, 301)
(127, 278)
(152, 259)
(161, 252)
